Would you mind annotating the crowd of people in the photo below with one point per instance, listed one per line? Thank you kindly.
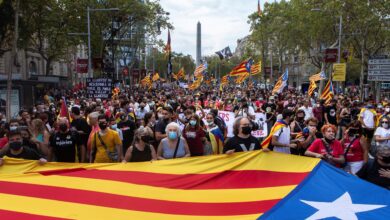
(144, 125)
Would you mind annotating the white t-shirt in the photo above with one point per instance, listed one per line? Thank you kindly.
(283, 135)
(382, 132)
(368, 118)
(308, 112)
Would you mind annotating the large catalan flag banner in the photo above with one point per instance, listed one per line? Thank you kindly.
(241, 186)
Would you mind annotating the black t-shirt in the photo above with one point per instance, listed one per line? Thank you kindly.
(265, 105)
(64, 145)
(128, 128)
(27, 153)
(242, 144)
(370, 172)
(81, 125)
(161, 125)
(331, 112)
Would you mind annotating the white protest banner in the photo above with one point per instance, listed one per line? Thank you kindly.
(229, 118)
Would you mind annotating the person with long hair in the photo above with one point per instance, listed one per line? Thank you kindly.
(195, 136)
(140, 150)
(40, 136)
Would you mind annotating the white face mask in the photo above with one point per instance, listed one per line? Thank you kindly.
(386, 126)
(160, 116)
(387, 109)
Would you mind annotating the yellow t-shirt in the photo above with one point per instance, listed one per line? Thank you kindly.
(111, 139)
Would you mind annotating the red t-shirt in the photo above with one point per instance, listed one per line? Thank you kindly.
(355, 152)
(3, 142)
(194, 140)
(335, 148)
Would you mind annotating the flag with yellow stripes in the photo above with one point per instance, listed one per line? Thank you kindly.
(256, 68)
(327, 94)
(239, 186)
(312, 87)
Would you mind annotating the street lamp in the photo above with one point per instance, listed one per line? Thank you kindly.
(90, 74)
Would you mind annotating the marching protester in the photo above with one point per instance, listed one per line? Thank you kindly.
(242, 139)
(66, 145)
(328, 148)
(18, 150)
(174, 145)
(140, 150)
(195, 136)
(106, 143)
(355, 148)
(382, 133)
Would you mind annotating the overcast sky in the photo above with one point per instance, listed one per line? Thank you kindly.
(223, 22)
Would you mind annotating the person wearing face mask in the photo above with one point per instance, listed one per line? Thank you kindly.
(382, 133)
(298, 124)
(174, 145)
(65, 144)
(127, 128)
(328, 148)
(195, 136)
(355, 148)
(214, 135)
(377, 170)
(140, 113)
(140, 150)
(114, 126)
(242, 139)
(106, 144)
(17, 150)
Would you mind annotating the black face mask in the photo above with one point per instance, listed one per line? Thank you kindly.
(102, 125)
(146, 138)
(63, 127)
(166, 120)
(15, 145)
(352, 132)
(246, 130)
(300, 118)
(386, 159)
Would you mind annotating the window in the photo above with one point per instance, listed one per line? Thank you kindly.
(32, 68)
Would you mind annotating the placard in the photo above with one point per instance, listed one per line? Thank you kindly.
(99, 87)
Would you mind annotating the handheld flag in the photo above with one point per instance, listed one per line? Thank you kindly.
(312, 87)
(168, 51)
(317, 77)
(328, 93)
(281, 84)
(225, 53)
(156, 77)
(199, 70)
(181, 74)
(225, 80)
(242, 78)
(241, 68)
(256, 68)
(64, 112)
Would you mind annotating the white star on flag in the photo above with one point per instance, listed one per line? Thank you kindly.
(341, 208)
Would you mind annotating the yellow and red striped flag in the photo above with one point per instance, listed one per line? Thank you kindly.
(199, 71)
(327, 94)
(239, 69)
(317, 77)
(282, 82)
(225, 80)
(181, 74)
(312, 87)
(146, 81)
(242, 78)
(156, 77)
(277, 126)
(240, 186)
(256, 68)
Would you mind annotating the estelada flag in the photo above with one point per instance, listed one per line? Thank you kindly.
(241, 186)
(277, 126)
(312, 87)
